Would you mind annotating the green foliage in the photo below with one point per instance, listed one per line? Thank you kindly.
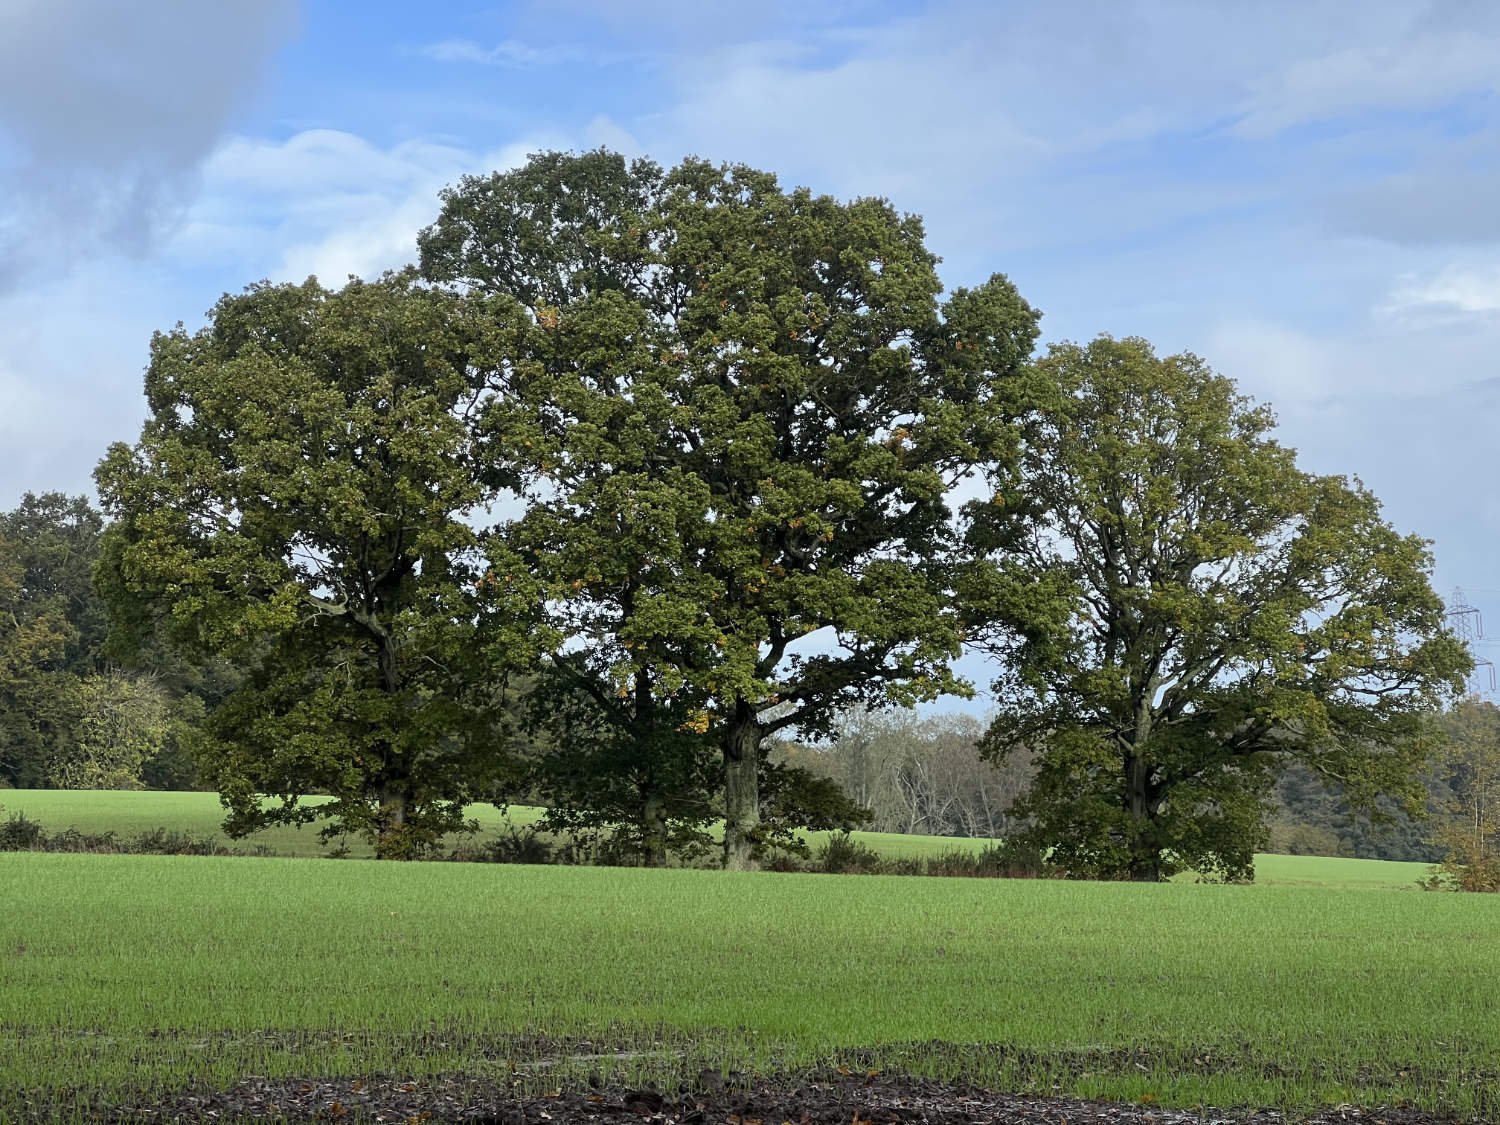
(1305, 839)
(1008, 859)
(1226, 612)
(69, 716)
(794, 799)
(55, 540)
(633, 766)
(300, 504)
(200, 815)
(1312, 817)
(38, 693)
(749, 409)
(514, 845)
(1468, 823)
(21, 834)
(842, 854)
(123, 722)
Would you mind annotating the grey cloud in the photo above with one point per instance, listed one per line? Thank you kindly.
(106, 110)
(1440, 203)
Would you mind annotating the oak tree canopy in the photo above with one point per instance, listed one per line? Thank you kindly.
(1226, 612)
(752, 405)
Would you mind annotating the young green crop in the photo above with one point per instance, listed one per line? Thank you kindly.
(122, 975)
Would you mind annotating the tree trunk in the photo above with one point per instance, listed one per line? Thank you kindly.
(742, 788)
(394, 802)
(395, 788)
(1145, 857)
(654, 831)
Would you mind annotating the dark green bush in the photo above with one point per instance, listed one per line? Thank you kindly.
(20, 834)
(514, 845)
(844, 855)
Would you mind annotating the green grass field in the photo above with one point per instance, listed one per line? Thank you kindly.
(200, 814)
(122, 975)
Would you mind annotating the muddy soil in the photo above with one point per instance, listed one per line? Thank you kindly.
(831, 1099)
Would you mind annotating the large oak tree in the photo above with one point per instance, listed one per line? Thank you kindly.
(1227, 612)
(752, 405)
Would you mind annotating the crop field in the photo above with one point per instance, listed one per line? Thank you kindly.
(126, 978)
(200, 814)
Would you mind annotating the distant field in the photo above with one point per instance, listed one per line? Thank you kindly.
(123, 977)
(201, 815)
(1328, 871)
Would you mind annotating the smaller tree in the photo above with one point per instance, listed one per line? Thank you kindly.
(123, 722)
(38, 695)
(1468, 829)
(300, 503)
(55, 540)
(1225, 612)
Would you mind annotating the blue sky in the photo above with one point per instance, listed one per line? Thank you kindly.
(1303, 193)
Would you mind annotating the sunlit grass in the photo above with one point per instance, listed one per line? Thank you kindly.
(140, 973)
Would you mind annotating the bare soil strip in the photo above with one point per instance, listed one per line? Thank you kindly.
(821, 1100)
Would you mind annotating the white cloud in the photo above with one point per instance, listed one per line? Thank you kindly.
(1375, 363)
(1446, 197)
(381, 235)
(1408, 408)
(1456, 290)
(515, 54)
(1279, 365)
(325, 202)
(1133, 164)
(24, 412)
(321, 202)
(602, 132)
(506, 53)
(71, 355)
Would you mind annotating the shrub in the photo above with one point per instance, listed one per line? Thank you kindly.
(1479, 875)
(162, 841)
(20, 834)
(844, 855)
(514, 845)
(785, 862)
